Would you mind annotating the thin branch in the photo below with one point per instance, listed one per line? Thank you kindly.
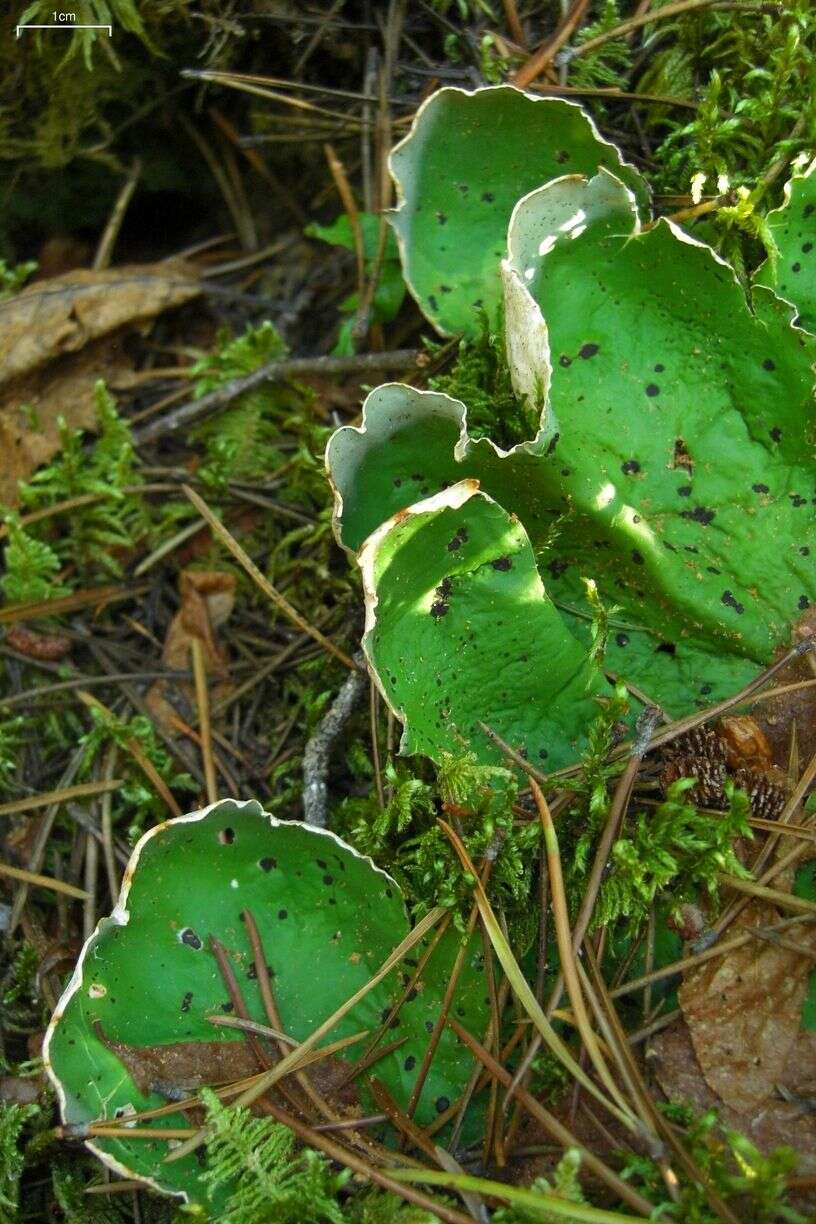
(274, 371)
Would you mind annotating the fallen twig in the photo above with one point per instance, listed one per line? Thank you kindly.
(274, 371)
(317, 752)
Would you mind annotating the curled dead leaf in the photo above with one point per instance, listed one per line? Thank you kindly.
(207, 599)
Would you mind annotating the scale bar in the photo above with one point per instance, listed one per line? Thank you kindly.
(68, 25)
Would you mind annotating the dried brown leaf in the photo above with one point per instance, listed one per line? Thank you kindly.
(207, 599)
(744, 1011)
(776, 1123)
(57, 338)
(62, 315)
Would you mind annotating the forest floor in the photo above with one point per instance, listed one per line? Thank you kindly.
(190, 216)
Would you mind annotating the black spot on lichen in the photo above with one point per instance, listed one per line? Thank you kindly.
(562, 156)
(322, 864)
(226, 837)
(760, 488)
(712, 569)
(804, 603)
(227, 1007)
(442, 1103)
(558, 567)
(564, 360)
(797, 267)
(488, 197)
(668, 648)
(186, 1001)
(684, 491)
(409, 1063)
(433, 302)
(807, 247)
(458, 540)
(266, 864)
(804, 551)
(797, 499)
(652, 389)
(776, 434)
(730, 602)
(659, 368)
(442, 218)
(630, 467)
(503, 564)
(808, 209)
(551, 445)
(587, 351)
(699, 515)
(328, 879)
(637, 557)
(189, 937)
(282, 913)
(440, 606)
(397, 482)
(622, 639)
(768, 364)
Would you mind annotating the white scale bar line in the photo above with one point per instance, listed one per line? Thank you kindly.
(67, 25)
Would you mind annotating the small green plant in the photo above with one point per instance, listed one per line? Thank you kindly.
(754, 1185)
(480, 378)
(30, 567)
(136, 801)
(674, 848)
(564, 1183)
(390, 291)
(109, 519)
(609, 63)
(13, 278)
(13, 1120)
(267, 1181)
(242, 442)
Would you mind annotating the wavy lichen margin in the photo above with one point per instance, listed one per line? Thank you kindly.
(468, 157)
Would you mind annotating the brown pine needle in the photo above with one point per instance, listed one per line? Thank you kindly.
(280, 601)
(521, 987)
(551, 1124)
(797, 905)
(295, 1059)
(205, 732)
(82, 790)
(41, 881)
(566, 950)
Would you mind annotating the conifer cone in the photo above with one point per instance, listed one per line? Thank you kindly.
(700, 754)
(734, 749)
